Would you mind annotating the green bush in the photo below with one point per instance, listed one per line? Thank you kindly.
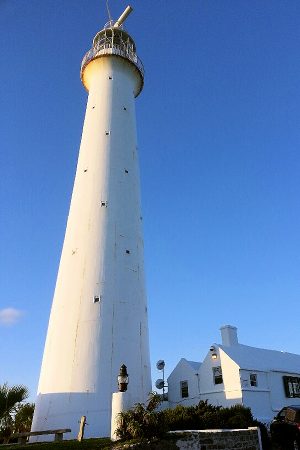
(206, 416)
(143, 422)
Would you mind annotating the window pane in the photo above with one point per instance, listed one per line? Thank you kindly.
(217, 374)
(184, 388)
(253, 379)
(291, 386)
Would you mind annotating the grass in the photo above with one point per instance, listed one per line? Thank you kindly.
(86, 444)
(95, 444)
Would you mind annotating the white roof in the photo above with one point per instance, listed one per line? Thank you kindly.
(253, 358)
(194, 364)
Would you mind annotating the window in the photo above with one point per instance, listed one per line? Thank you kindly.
(128, 252)
(96, 299)
(184, 389)
(107, 133)
(291, 386)
(253, 379)
(217, 373)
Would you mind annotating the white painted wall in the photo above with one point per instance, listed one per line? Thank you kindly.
(211, 392)
(277, 396)
(226, 394)
(87, 342)
(268, 397)
(231, 378)
(183, 372)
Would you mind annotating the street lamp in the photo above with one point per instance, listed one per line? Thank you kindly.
(123, 379)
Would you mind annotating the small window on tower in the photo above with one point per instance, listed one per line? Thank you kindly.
(128, 252)
(125, 109)
(184, 389)
(96, 299)
(126, 171)
(107, 133)
(110, 78)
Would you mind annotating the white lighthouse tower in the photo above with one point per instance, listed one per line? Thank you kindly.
(98, 319)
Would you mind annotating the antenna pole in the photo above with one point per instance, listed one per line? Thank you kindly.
(123, 16)
(108, 12)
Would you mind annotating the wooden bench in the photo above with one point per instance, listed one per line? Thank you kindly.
(22, 437)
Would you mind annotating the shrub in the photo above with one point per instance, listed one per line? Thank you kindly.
(143, 422)
(205, 416)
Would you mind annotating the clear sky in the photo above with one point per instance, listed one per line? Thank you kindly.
(219, 135)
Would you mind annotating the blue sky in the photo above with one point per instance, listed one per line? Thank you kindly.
(218, 133)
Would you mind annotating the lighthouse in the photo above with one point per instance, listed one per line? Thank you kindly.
(98, 320)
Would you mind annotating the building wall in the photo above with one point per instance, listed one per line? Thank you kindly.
(249, 439)
(278, 397)
(268, 397)
(229, 392)
(183, 372)
(259, 403)
(231, 377)
(257, 397)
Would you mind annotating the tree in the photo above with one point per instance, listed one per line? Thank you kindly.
(23, 417)
(10, 398)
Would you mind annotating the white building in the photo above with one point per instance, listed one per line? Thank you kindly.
(232, 373)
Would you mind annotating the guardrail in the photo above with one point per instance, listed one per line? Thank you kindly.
(108, 49)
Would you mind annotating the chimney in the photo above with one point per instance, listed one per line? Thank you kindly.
(229, 335)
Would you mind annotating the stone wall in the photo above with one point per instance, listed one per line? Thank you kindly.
(248, 439)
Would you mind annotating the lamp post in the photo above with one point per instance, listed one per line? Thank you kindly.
(121, 401)
(123, 379)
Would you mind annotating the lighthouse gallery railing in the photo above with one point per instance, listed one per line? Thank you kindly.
(109, 49)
